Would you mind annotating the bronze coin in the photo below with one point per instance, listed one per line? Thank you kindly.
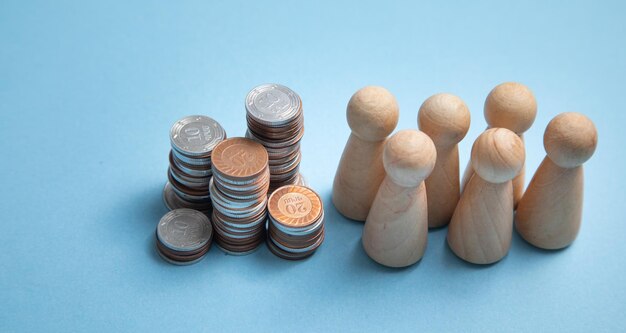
(295, 206)
(295, 241)
(287, 255)
(239, 247)
(183, 258)
(239, 158)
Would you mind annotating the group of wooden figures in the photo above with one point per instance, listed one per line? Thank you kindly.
(409, 182)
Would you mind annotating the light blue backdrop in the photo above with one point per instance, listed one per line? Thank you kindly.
(88, 91)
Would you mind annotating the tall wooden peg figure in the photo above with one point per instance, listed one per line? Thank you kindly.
(549, 214)
(446, 119)
(396, 230)
(482, 225)
(372, 115)
(512, 106)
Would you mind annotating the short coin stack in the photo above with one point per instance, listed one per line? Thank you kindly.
(296, 222)
(183, 236)
(275, 119)
(193, 138)
(239, 194)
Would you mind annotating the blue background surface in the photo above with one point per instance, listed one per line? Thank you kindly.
(89, 90)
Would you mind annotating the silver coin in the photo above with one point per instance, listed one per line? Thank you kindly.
(173, 201)
(298, 250)
(196, 135)
(199, 199)
(192, 183)
(273, 104)
(299, 231)
(277, 144)
(196, 161)
(184, 230)
(259, 220)
(198, 173)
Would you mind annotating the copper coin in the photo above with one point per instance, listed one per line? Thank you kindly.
(290, 249)
(184, 258)
(239, 158)
(234, 247)
(287, 255)
(296, 245)
(295, 206)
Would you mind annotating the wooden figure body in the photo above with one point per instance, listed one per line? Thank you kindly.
(482, 225)
(372, 115)
(396, 231)
(549, 214)
(446, 119)
(512, 106)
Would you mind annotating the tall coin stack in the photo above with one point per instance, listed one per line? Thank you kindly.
(193, 139)
(239, 194)
(275, 119)
(296, 222)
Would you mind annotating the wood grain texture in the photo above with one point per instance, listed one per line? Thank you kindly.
(513, 106)
(549, 215)
(550, 212)
(372, 115)
(396, 230)
(358, 177)
(481, 227)
(446, 119)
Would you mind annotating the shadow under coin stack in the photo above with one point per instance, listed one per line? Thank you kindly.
(239, 194)
(193, 139)
(275, 119)
(183, 236)
(296, 222)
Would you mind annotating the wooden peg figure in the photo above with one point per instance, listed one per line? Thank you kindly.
(446, 119)
(482, 225)
(549, 214)
(512, 106)
(372, 115)
(396, 229)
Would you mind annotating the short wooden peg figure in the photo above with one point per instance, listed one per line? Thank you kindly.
(482, 225)
(396, 231)
(512, 106)
(549, 214)
(372, 115)
(446, 119)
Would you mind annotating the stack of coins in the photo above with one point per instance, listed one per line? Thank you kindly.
(275, 119)
(239, 194)
(183, 236)
(193, 138)
(296, 222)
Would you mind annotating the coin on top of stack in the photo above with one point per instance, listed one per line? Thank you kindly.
(275, 119)
(296, 222)
(193, 139)
(239, 194)
(183, 236)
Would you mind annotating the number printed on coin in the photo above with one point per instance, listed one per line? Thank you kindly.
(196, 135)
(295, 206)
(184, 229)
